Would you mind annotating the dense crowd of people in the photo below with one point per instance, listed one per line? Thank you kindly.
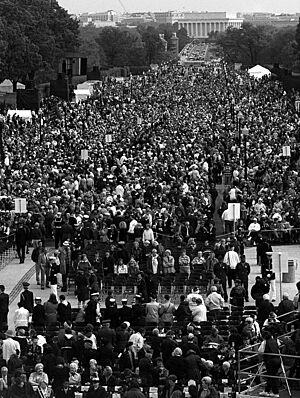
(139, 211)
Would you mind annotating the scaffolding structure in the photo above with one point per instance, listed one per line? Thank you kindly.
(256, 370)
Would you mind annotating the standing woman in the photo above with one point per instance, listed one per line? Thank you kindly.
(272, 362)
(51, 309)
(53, 271)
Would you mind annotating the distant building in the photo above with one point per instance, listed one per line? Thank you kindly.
(277, 20)
(199, 24)
(99, 19)
(136, 18)
(171, 17)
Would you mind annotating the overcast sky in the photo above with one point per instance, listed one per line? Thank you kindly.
(78, 6)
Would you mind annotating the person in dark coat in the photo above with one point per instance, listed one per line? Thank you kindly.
(125, 312)
(65, 391)
(142, 287)
(27, 298)
(286, 305)
(96, 390)
(22, 236)
(183, 313)
(260, 288)
(4, 308)
(38, 313)
(193, 365)
(221, 272)
(127, 360)
(242, 273)
(82, 288)
(134, 391)
(138, 312)
(91, 310)
(106, 333)
(176, 364)
(112, 313)
(264, 309)
(122, 337)
(168, 345)
(64, 310)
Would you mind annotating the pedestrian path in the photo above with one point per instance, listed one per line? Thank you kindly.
(14, 274)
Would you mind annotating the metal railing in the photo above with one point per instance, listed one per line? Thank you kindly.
(251, 352)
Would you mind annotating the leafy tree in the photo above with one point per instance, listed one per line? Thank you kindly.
(37, 33)
(246, 44)
(90, 48)
(122, 46)
(152, 43)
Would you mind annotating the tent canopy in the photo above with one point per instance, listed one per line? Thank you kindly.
(7, 86)
(24, 114)
(81, 95)
(259, 71)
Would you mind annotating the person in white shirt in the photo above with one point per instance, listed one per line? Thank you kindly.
(193, 296)
(137, 341)
(199, 312)
(148, 234)
(10, 346)
(214, 301)
(231, 258)
(253, 230)
(21, 317)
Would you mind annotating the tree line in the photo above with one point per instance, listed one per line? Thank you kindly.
(34, 35)
(261, 44)
(110, 47)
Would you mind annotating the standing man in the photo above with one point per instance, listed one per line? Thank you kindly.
(22, 236)
(65, 263)
(4, 304)
(27, 297)
(231, 258)
(221, 272)
(242, 273)
(57, 229)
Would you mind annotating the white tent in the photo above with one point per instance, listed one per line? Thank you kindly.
(258, 72)
(24, 114)
(88, 85)
(81, 95)
(7, 87)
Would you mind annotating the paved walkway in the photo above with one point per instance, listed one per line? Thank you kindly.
(14, 274)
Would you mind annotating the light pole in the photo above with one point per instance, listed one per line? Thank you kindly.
(240, 117)
(2, 155)
(245, 132)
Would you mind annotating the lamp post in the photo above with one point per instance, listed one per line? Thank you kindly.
(2, 155)
(245, 132)
(239, 119)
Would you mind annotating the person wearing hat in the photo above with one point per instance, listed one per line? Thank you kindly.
(4, 308)
(112, 313)
(125, 312)
(27, 297)
(92, 311)
(96, 390)
(10, 346)
(38, 313)
(242, 272)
